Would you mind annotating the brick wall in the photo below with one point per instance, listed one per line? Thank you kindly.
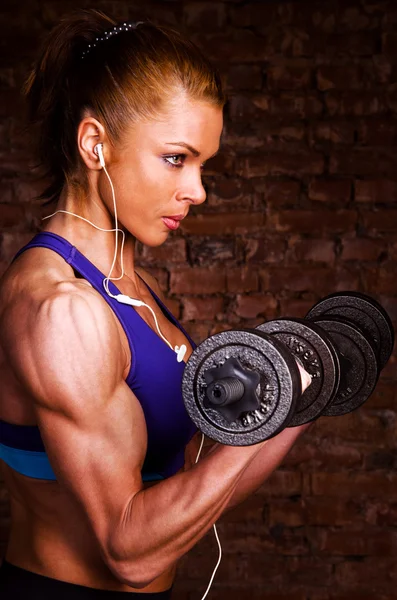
(301, 202)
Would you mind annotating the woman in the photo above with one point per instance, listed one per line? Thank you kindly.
(98, 451)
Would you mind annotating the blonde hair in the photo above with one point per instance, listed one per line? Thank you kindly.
(121, 79)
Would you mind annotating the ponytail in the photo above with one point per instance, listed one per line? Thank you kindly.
(48, 92)
(123, 77)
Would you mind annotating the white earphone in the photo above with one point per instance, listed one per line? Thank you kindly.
(98, 149)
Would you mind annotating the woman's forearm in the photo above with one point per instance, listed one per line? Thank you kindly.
(270, 456)
(160, 524)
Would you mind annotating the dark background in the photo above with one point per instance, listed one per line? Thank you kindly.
(301, 203)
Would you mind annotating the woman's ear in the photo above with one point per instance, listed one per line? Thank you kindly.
(91, 135)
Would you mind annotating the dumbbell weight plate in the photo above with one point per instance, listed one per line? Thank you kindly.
(313, 347)
(358, 365)
(278, 390)
(364, 312)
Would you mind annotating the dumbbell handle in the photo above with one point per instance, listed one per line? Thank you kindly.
(225, 391)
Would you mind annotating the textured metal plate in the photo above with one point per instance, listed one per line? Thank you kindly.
(366, 313)
(278, 389)
(312, 346)
(358, 366)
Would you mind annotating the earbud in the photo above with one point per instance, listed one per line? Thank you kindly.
(180, 352)
(99, 152)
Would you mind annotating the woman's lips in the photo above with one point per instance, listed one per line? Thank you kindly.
(173, 222)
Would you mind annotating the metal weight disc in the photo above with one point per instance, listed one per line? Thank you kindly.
(366, 313)
(278, 389)
(358, 366)
(315, 350)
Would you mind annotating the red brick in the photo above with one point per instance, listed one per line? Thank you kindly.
(281, 193)
(389, 20)
(384, 396)
(390, 305)
(173, 250)
(256, 305)
(378, 191)
(332, 191)
(380, 281)
(309, 221)
(7, 78)
(291, 75)
(383, 69)
(373, 7)
(265, 251)
(352, 542)
(197, 331)
(253, 14)
(204, 15)
(382, 220)
(367, 574)
(207, 251)
(354, 595)
(323, 455)
(219, 164)
(10, 243)
(389, 43)
(319, 280)
(305, 106)
(282, 483)
(309, 571)
(288, 512)
(12, 215)
(247, 77)
(362, 249)
(355, 103)
(335, 132)
(332, 511)
(382, 513)
(391, 97)
(364, 162)
(359, 426)
(348, 77)
(232, 46)
(314, 251)
(372, 484)
(377, 133)
(353, 18)
(295, 307)
(197, 280)
(260, 165)
(228, 188)
(360, 43)
(202, 309)
(222, 224)
(242, 279)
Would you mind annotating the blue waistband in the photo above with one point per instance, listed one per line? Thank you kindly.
(36, 465)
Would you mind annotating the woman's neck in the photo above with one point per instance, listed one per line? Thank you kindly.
(80, 229)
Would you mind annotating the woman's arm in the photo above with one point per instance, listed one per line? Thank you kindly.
(68, 354)
(268, 458)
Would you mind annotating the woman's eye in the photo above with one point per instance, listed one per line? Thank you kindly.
(176, 160)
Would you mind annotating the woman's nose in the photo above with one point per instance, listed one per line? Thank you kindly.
(195, 191)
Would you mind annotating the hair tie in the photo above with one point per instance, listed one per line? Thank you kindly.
(111, 33)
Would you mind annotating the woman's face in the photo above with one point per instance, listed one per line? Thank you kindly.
(157, 172)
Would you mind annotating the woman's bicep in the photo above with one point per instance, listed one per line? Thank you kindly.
(71, 361)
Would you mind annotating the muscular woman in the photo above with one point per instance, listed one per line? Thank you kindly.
(98, 453)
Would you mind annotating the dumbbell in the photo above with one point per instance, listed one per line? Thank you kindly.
(241, 387)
